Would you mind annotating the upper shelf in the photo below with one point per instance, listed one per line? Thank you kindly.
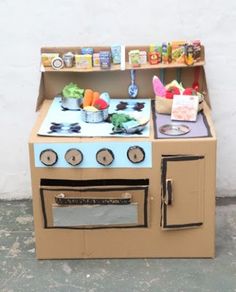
(116, 67)
(127, 67)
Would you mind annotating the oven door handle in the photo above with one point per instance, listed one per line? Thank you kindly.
(124, 199)
(169, 192)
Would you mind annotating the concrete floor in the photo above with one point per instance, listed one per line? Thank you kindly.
(20, 271)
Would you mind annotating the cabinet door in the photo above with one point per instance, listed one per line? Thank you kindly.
(182, 191)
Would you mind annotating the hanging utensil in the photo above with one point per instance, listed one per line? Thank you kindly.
(195, 84)
(178, 74)
(133, 88)
(162, 75)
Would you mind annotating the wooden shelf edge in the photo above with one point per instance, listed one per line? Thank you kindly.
(127, 67)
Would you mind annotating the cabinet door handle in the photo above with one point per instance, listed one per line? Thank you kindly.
(169, 192)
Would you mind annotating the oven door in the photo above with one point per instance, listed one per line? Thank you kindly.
(93, 204)
(182, 191)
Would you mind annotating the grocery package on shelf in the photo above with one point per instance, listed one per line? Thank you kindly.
(87, 58)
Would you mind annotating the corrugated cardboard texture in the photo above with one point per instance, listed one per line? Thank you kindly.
(150, 241)
(190, 179)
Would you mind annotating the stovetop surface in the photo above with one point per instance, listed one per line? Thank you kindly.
(68, 123)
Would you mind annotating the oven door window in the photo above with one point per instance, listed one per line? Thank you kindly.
(182, 191)
(82, 206)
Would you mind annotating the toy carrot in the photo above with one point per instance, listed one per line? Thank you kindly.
(88, 97)
(96, 96)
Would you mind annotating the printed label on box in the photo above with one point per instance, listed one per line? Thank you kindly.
(185, 108)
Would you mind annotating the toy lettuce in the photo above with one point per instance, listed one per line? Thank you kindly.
(72, 90)
(118, 120)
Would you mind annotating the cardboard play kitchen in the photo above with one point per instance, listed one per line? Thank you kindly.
(123, 153)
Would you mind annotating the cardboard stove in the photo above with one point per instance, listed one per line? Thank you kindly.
(155, 197)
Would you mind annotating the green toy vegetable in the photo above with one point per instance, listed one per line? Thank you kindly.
(118, 120)
(72, 90)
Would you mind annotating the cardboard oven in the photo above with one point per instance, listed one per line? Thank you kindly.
(155, 197)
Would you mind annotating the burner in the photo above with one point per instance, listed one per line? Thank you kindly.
(136, 106)
(65, 128)
(121, 106)
(64, 109)
(139, 106)
(74, 129)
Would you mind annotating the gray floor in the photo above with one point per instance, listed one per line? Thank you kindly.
(20, 271)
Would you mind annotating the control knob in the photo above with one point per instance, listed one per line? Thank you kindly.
(105, 156)
(135, 154)
(48, 157)
(74, 156)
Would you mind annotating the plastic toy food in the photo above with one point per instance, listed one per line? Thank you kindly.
(88, 98)
(92, 100)
(172, 91)
(158, 87)
(90, 108)
(100, 104)
(118, 120)
(189, 91)
(105, 96)
(72, 91)
(96, 96)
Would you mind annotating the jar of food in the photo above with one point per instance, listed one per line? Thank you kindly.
(68, 59)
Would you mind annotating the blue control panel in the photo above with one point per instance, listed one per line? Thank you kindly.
(120, 153)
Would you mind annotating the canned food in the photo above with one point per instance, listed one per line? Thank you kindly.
(68, 59)
(57, 63)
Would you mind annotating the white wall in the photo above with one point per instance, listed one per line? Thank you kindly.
(27, 25)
